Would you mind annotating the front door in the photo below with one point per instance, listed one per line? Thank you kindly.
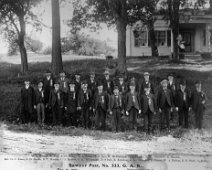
(187, 38)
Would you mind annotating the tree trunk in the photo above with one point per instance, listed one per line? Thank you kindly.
(121, 28)
(24, 61)
(175, 45)
(154, 47)
(57, 65)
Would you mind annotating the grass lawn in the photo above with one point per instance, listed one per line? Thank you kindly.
(10, 84)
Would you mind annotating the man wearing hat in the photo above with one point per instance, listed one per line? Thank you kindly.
(48, 85)
(40, 103)
(71, 106)
(198, 100)
(85, 104)
(27, 102)
(115, 109)
(107, 82)
(149, 107)
(173, 87)
(132, 106)
(56, 103)
(146, 83)
(64, 83)
(183, 104)
(101, 102)
(165, 105)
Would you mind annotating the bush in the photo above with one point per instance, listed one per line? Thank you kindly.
(47, 50)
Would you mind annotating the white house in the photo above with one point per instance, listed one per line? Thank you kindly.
(196, 31)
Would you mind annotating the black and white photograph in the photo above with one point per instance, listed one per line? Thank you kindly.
(105, 84)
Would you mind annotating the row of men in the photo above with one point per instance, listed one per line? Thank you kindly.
(88, 102)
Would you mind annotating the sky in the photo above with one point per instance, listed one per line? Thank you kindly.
(66, 11)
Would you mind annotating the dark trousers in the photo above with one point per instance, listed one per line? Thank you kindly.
(40, 108)
(164, 116)
(27, 115)
(100, 118)
(148, 121)
(133, 113)
(199, 117)
(57, 112)
(116, 118)
(85, 116)
(183, 117)
(68, 118)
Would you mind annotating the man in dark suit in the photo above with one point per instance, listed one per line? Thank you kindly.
(146, 83)
(93, 88)
(108, 82)
(40, 104)
(101, 102)
(85, 104)
(165, 104)
(183, 104)
(27, 102)
(132, 106)
(71, 106)
(172, 85)
(198, 100)
(148, 107)
(56, 103)
(48, 85)
(115, 109)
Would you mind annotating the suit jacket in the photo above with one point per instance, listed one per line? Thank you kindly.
(123, 88)
(174, 89)
(130, 103)
(145, 104)
(56, 98)
(108, 86)
(71, 102)
(64, 84)
(162, 98)
(196, 100)
(101, 100)
(84, 98)
(39, 96)
(92, 87)
(180, 99)
(112, 103)
(77, 88)
(47, 87)
(27, 98)
(144, 84)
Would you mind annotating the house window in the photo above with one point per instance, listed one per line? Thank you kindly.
(160, 38)
(169, 38)
(141, 39)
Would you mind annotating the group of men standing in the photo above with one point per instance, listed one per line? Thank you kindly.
(72, 102)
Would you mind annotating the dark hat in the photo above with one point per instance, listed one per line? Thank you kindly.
(120, 76)
(198, 82)
(71, 82)
(106, 72)
(92, 72)
(57, 82)
(116, 88)
(62, 73)
(84, 82)
(47, 72)
(99, 83)
(77, 73)
(183, 82)
(132, 79)
(132, 83)
(26, 81)
(170, 75)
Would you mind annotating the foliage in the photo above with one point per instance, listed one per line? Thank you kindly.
(33, 44)
(85, 45)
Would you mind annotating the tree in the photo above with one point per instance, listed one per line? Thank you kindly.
(33, 44)
(172, 12)
(57, 65)
(145, 11)
(14, 15)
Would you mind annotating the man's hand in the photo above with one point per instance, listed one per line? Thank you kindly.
(110, 112)
(203, 102)
(79, 108)
(139, 112)
(127, 113)
(160, 110)
(176, 108)
(171, 109)
(94, 110)
(189, 109)
(65, 108)
(154, 113)
(90, 108)
(35, 106)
